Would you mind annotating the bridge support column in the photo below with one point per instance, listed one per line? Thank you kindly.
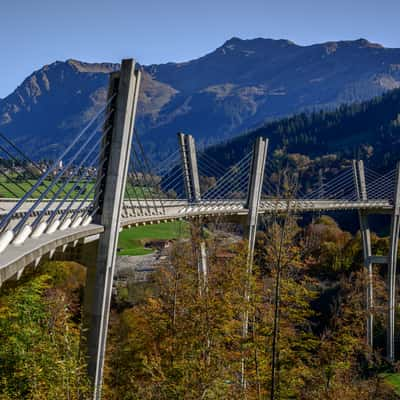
(187, 147)
(252, 204)
(254, 195)
(392, 270)
(200, 253)
(361, 187)
(124, 89)
(203, 260)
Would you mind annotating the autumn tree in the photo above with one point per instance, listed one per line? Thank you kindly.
(40, 336)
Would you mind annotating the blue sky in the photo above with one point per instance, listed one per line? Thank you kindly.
(38, 32)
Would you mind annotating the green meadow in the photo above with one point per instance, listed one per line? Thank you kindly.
(14, 189)
(393, 379)
(131, 241)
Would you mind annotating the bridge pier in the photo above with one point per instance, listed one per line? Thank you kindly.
(254, 194)
(203, 260)
(124, 90)
(187, 148)
(390, 260)
(200, 252)
(252, 204)
(361, 188)
(392, 270)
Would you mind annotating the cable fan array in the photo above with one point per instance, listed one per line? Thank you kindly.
(208, 167)
(63, 194)
(233, 184)
(341, 187)
(18, 172)
(342, 190)
(143, 193)
(171, 177)
(277, 184)
(381, 187)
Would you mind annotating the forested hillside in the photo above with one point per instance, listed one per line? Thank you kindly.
(176, 341)
(327, 139)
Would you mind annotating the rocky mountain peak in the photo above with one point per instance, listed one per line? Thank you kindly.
(85, 67)
(238, 86)
(366, 43)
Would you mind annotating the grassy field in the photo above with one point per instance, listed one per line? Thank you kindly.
(131, 240)
(394, 380)
(16, 189)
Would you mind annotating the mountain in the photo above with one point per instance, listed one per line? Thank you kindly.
(56, 102)
(235, 88)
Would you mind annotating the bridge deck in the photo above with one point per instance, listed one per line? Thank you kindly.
(15, 258)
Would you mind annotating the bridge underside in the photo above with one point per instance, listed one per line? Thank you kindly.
(16, 258)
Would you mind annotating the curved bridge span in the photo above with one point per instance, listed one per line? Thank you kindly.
(103, 182)
(16, 257)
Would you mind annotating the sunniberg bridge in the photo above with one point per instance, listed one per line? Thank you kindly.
(103, 182)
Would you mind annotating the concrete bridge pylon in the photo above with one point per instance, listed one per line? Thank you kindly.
(369, 259)
(124, 91)
(392, 270)
(361, 189)
(190, 169)
(187, 147)
(254, 191)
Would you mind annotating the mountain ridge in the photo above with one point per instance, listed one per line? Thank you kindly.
(234, 88)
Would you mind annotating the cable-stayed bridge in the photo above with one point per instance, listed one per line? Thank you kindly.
(103, 181)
